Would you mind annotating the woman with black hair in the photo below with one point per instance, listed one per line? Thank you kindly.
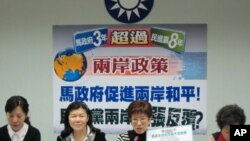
(18, 127)
(78, 125)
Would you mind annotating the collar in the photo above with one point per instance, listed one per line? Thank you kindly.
(134, 136)
(221, 138)
(89, 135)
(20, 133)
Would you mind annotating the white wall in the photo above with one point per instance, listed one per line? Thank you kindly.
(26, 62)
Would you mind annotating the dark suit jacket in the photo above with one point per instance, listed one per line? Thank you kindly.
(99, 136)
(216, 135)
(33, 134)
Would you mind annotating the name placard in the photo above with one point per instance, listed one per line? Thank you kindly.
(177, 133)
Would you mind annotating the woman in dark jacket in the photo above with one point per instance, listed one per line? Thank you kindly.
(18, 127)
(78, 125)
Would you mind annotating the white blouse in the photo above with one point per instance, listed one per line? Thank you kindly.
(19, 135)
(90, 136)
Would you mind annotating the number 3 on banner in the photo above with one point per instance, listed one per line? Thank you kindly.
(97, 34)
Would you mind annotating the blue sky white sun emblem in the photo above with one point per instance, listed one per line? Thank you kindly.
(129, 11)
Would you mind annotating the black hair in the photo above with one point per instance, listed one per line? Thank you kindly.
(230, 115)
(73, 106)
(16, 101)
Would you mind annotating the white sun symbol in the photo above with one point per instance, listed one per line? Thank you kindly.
(128, 6)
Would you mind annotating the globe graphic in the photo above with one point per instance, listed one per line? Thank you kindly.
(69, 65)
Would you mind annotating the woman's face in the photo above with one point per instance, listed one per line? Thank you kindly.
(78, 119)
(226, 132)
(140, 122)
(16, 118)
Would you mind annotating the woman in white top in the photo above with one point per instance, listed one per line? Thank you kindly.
(18, 127)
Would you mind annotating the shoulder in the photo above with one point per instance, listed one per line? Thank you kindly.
(100, 136)
(59, 138)
(3, 130)
(4, 135)
(214, 136)
(33, 134)
(123, 137)
(211, 138)
(33, 129)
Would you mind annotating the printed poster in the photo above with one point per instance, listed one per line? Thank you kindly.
(109, 66)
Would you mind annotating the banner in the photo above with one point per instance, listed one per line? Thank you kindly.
(109, 66)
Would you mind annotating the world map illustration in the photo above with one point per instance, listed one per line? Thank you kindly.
(69, 65)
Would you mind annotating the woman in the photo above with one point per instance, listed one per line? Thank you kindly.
(18, 127)
(78, 125)
(139, 113)
(227, 115)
